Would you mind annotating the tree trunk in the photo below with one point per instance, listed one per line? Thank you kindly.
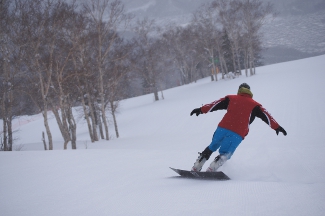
(62, 123)
(225, 68)
(214, 71)
(222, 69)
(87, 118)
(92, 114)
(95, 124)
(102, 101)
(99, 122)
(155, 92)
(251, 63)
(212, 77)
(44, 89)
(72, 128)
(10, 138)
(44, 141)
(9, 119)
(246, 63)
(47, 127)
(234, 60)
(251, 59)
(238, 63)
(162, 94)
(73, 137)
(114, 119)
(105, 121)
(4, 123)
(5, 140)
(101, 82)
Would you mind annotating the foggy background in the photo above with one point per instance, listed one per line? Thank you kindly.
(297, 31)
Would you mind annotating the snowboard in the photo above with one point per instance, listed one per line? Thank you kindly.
(202, 175)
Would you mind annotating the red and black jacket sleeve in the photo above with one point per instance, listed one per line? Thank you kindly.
(216, 105)
(263, 114)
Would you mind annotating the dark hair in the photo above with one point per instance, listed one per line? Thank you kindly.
(245, 85)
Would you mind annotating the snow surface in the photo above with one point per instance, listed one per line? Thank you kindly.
(271, 175)
(303, 32)
(143, 7)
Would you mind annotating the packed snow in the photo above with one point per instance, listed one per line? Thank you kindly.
(270, 175)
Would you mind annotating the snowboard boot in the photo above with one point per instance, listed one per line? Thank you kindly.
(203, 157)
(217, 162)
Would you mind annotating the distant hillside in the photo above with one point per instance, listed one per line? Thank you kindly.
(299, 26)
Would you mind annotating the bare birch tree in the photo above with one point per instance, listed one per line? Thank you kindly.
(230, 18)
(6, 76)
(207, 26)
(107, 16)
(146, 61)
(120, 66)
(62, 84)
(253, 16)
(80, 38)
(39, 53)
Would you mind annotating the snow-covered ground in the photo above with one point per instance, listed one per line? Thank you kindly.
(271, 175)
(304, 32)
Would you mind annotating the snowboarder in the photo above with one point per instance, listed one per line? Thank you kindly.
(234, 126)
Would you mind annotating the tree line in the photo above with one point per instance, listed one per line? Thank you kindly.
(56, 55)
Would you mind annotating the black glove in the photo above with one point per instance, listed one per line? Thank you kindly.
(196, 111)
(280, 129)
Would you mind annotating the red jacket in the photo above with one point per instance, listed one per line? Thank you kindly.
(241, 112)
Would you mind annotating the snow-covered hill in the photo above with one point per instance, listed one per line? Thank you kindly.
(299, 27)
(294, 37)
(271, 175)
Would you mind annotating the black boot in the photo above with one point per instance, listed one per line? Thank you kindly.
(203, 157)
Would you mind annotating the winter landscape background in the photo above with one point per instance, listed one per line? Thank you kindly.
(297, 31)
(271, 175)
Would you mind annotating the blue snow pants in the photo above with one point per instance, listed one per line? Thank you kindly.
(226, 141)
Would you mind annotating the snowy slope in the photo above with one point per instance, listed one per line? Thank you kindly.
(299, 26)
(271, 175)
